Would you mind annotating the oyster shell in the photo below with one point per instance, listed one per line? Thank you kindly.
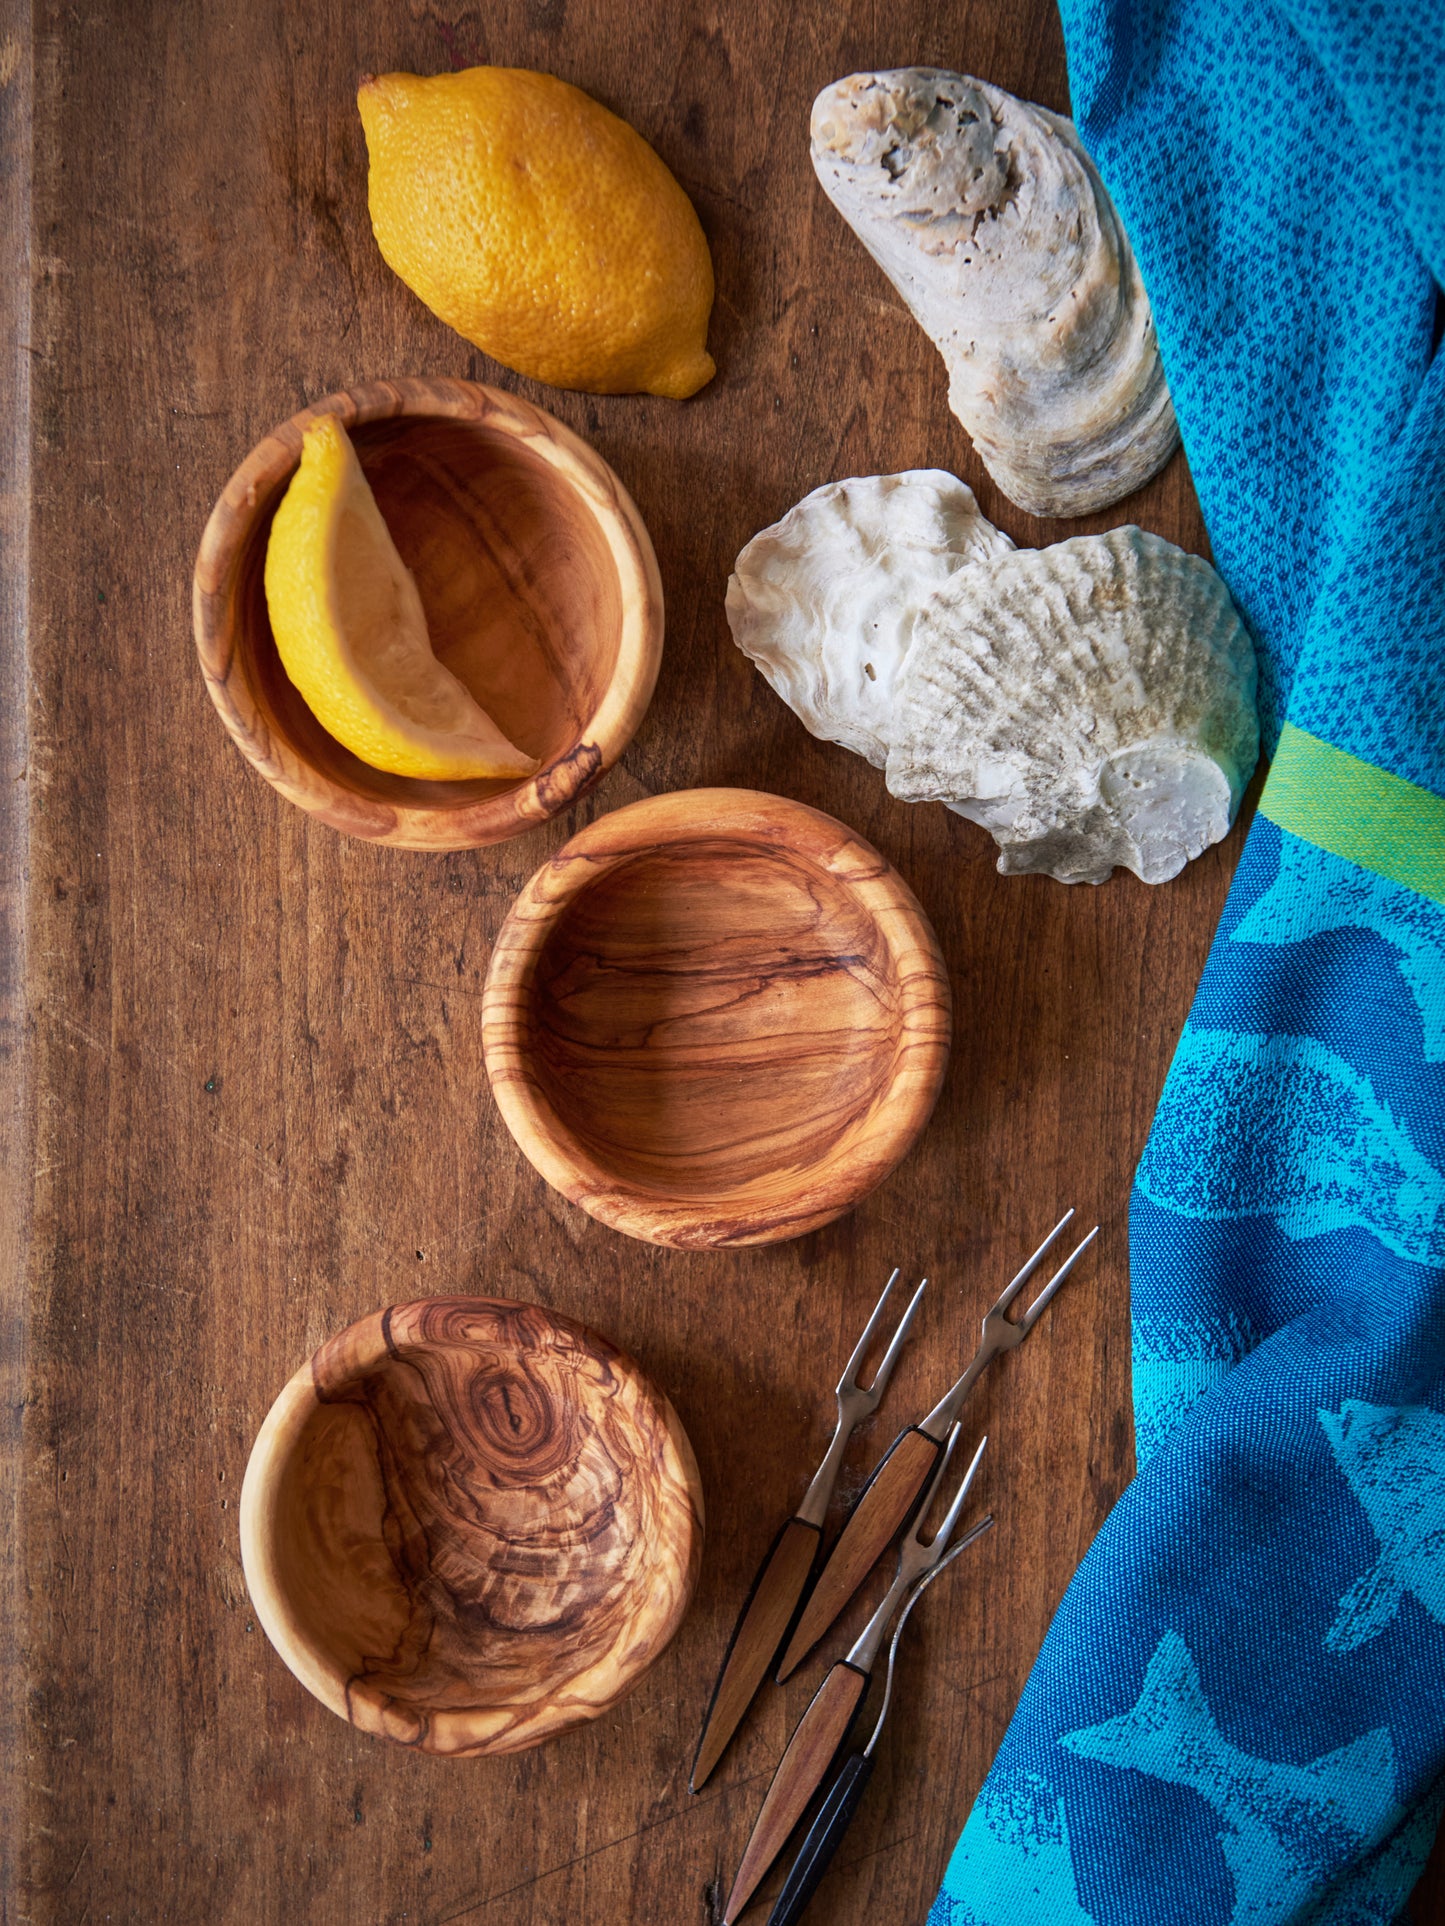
(987, 215)
(824, 601)
(1090, 704)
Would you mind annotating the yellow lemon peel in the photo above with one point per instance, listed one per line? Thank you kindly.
(541, 227)
(352, 634)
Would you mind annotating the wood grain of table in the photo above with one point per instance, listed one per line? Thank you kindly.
(246, 1101)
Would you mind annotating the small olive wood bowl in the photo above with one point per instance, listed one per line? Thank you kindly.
(469, 1524)
(716, 1018)
(540, 589)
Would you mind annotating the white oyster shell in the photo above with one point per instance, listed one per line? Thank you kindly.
(987, 215)
(824, 601)
(1090, 704)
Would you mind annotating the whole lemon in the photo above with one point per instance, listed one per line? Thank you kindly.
(541, 227)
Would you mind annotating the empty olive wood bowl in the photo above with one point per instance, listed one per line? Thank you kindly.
(468, 1524)
(540, 589)
(715, 1018)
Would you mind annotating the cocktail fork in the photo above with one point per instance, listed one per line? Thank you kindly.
(768, 1610)
(845, 1794)
(823, 1730)
(892, 1491)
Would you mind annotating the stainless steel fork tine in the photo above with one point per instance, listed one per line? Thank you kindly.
(950, 1519)
(855, 1401)
(914, 1556)
(890, 1356)
(1011, 1290)
(911, 1536)
(849, 1379)
(920, 1586)
(1040, 1303)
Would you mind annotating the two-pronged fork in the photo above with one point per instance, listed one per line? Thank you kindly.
(789, 1564)
(892, 1491)
(823, 1730)
(844, 1796)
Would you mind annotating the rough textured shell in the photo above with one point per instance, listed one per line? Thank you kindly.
(824, 601)
(1090, 704)
(988, 217)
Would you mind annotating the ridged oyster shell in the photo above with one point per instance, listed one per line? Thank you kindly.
(988, 217)
(824, 601)
(1090, 704)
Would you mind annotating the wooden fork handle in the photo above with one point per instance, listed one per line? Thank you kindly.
(821, 1735)
(762, 1624)
(887, 1500)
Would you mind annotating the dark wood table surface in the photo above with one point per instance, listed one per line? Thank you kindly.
(247, 1100)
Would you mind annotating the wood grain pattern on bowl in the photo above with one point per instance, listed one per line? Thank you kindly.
(716, 1017)
(540, 588)
(468, 1524)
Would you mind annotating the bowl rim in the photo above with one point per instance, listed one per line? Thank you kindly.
(856, 1163)
(249, 494)
(457, 1732)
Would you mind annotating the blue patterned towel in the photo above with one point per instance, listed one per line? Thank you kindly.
(1239, 1714)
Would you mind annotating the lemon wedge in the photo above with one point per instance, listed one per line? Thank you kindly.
(352, 634)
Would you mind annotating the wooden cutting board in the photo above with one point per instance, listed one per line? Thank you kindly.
(249, 1102)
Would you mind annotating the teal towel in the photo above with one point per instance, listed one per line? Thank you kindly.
(1239, 1713)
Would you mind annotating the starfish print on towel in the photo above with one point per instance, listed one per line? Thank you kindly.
(1315, 893)
(1394, 1459)
(1283, 1828)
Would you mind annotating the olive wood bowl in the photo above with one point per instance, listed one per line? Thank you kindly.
(716, 1017)
(469, 1524)
(540, 589)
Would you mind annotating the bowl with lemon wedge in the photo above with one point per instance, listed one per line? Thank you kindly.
(428, 613)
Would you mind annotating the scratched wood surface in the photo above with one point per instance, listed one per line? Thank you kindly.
(249, 1102)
